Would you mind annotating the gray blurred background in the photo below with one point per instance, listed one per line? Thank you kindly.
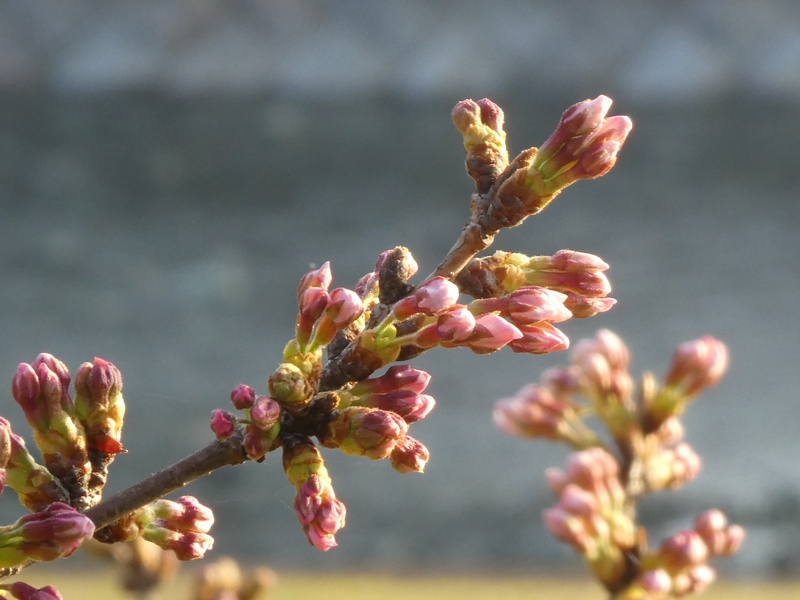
(171, 168)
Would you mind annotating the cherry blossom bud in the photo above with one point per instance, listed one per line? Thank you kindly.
(223, 424)
(407, 404)
(99, 405)
(318, 278)
(187, 545)
(397, 377)
(672, 467)
(582, 307)
(343, 308)
(451, 329)
(656, 583)
(362, 431)
(289, 386)
(683, 550)
(243, 396)
(409, 456)
(313, 303)
(526, 305)
(491, 333)
(539, 338)
(184, 514)
(720, 538)
(697, 365)
(23, 591)
(694, 580)
(481, 125)
(54, 532)
(434, 296)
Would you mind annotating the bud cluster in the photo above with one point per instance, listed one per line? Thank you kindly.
(599, 490)
(78, 438)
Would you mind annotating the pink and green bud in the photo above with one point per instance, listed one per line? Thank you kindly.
(697, 365)
(409, 456)
(431, 298)
(720, 538)
(343, 308)
(313, 303)
(318, 278)
(243, 397)
(55, 532)
(265, 413)
(320, 513)
(582, 307)
(186, 545)
(407, 404)
(99, 405)
(397, 377)
(22, 591)
(362, 431)
(539, 338)
(223, 424)
(671, 468)
(184, 514)
(452, 328)
(34, 484)
(565, 261)
(491, 333)
(481, 126)
(591, 284)
(257, 441)
(584, 145)
(526, 305)
(289, 386)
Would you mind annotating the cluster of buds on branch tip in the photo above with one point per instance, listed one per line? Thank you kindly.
(599, 490)
(325, 392)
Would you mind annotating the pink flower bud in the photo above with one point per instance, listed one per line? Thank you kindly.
(582, 307)
(265, 412)
(539, 338)
(534, 412)
(243, 396)
(318, 278)
(720, 538)
(99, 405)
(397, 377)
(567, 261)
(23, 591)
(434, 296)
(320, 513)
(491, 333)
(313, 303)
(344, 307)
(683, 550)
(362, 431)
(407, 404)
(451, 328)
(187, 545)
(184, 514)
(656, 582)
(223, 424)
(697, 365)
(25, 389)
(409, 456)
(533, 304)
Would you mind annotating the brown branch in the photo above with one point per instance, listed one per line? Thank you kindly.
(199, 464)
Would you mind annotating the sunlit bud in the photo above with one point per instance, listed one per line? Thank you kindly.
(265, 412)
(318, 278)
(320, 513)
(243, 396)
(23, 591)
(672, 467)
(434, 296)
(451, 328)
(407, 404)
(697, 365)
(397, 377)
(362, 431)
(343, 308)
(99, 405)
(25, 389)
(188, 545)
(720, 538)
(592, 284)
(566, 261)
(409, 456)
(583, 307)
(35, 485)
(683, 550)
(491, 333)
(694, 580)
(289, 386)
(313, 303)
(584, 145)
(539, 338)
(54, 532)
(656, 583)
(59, 369)
(257, 442)
(525, 305)
(223, 424)
(534, 412)
(481, 125)
(184, 514)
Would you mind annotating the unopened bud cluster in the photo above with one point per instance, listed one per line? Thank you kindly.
(644, 452)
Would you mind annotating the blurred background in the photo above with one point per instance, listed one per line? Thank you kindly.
(171, 168)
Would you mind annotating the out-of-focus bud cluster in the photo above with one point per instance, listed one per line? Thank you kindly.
(644, 452)
(22, 591)
(224, 579)
(180, 525)
(78, 438)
